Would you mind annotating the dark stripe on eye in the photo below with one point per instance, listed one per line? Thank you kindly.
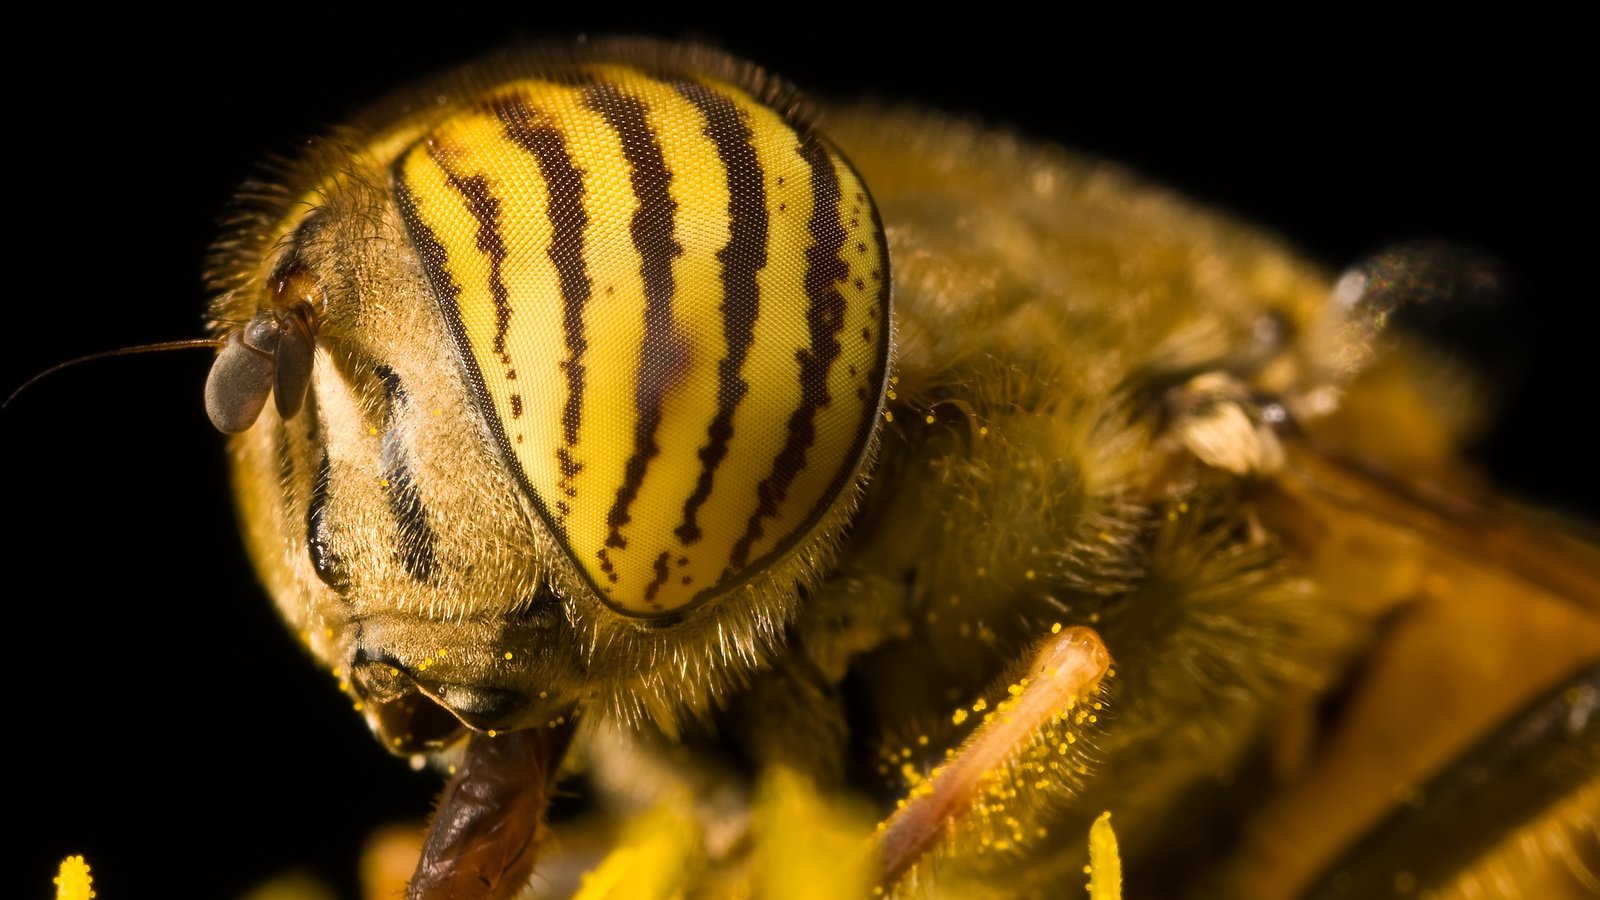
(435, 259)
(825, 321)
(485, 208)
(568, 221)
(742, 258)
(664, 356)
(874, 380)
(661, 574)
(436, 264)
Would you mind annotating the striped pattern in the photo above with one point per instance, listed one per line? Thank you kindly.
(674, 304)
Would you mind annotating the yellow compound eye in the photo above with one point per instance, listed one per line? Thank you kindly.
(673, 300)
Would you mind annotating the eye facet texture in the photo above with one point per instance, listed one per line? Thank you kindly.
(673, 301)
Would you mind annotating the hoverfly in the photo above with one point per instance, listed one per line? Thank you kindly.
(165, 661)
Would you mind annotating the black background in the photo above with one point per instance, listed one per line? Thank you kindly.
(171, 729)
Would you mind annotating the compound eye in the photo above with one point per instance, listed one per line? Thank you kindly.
(674, 301)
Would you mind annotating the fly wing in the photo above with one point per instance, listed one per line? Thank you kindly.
(1475, 609)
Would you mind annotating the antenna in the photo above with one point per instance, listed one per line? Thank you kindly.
(161, 347)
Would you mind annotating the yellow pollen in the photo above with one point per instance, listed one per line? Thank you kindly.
(1105, 863)
(1055, 628)
(508, 654)
(959, 716)
(74, 881)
